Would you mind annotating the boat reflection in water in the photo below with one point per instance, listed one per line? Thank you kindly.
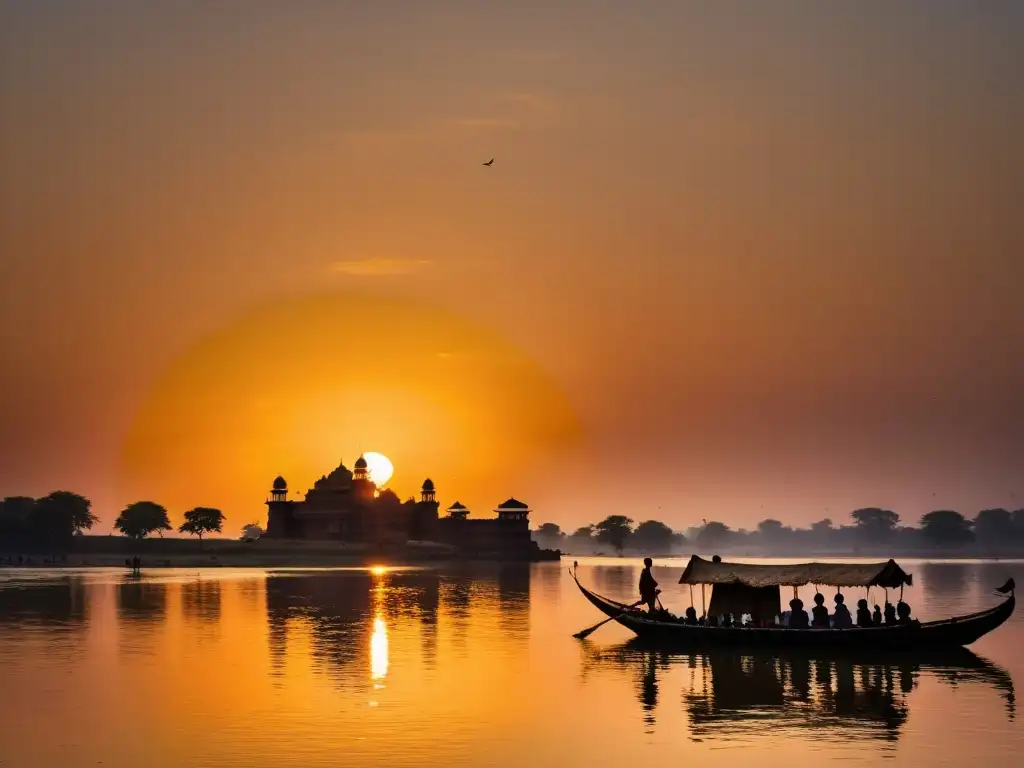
(729, 695)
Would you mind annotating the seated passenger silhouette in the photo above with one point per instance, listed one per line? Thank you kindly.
(841, 619)
(691, 615)
(863, 614)
(903, 613)
(890, 613)
(876, 617)
(798, 618)
(727, 620)
(819, 613)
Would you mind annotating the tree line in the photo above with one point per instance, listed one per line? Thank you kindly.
(871, 528)
(51, 522)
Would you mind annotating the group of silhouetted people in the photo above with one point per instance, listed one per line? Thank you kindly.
(841, 618)
(797, 618)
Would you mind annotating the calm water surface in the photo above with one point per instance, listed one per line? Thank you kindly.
(472, 666)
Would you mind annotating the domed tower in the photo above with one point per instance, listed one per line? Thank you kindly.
(280, 521)
(362, 486)
(424, 523)
(427, 491)
(361, 471)
(279, 491)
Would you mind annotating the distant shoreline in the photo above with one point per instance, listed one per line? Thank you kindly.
(114, 551)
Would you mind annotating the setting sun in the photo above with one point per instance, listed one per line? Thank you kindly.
(380, 467)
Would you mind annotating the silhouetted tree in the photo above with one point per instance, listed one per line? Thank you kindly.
(773, 533)
(549, 535)
(251, 531)
(142, 518)
(995, 526)
(615, 531)
(582, 539)
(875, 525)
(205, 520)
(946, 527)
(714, 535)
(66, 512)
(653, 536)
(822, 527)
(15, 512)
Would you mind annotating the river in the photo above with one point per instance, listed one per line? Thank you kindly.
(472, 665)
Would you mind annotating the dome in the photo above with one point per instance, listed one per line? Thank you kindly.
(360, 463)
(428, 485)
(280, 484)
(456, 507)
(512, 505)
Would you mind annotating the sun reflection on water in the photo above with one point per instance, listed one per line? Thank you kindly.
(379, 650)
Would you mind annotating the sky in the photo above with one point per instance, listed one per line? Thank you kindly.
(732, 260)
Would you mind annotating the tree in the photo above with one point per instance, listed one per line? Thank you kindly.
(713, 535)
(550, 530)
(875, 525)
(614, 530)
(995, 526)
(205, 520)
(14, 516)
(251, 531)
(583, 532)
(549, 535)
(653, 536)
(142, 518)
(822, 527)
(944, 527)
(64, 513)
(772, 533)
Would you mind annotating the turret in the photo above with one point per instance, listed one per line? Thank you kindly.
(427, 491)
(513, 511)
(279, 490)
(458, 511)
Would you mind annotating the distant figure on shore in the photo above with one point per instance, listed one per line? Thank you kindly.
(890, 613)
(876, 617)
(798, 618)
(841, 619)
(819, 613)
(863, 614)
(648, 586)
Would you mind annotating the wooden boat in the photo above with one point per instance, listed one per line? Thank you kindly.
(755, 585)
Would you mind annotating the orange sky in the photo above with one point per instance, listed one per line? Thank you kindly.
(747, 256)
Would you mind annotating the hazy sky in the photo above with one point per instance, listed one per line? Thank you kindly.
(759, 253)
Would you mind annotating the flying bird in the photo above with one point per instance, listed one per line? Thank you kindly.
(489, 162)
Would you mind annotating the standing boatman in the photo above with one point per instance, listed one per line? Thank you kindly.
(648, 586)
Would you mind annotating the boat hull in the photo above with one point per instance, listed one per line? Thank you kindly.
(947, 634)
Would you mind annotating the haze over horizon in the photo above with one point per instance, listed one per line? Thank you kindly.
(731, 262)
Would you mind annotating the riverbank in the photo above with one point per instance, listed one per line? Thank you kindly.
(114, 551)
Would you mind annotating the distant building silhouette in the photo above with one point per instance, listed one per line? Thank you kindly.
(347, 506)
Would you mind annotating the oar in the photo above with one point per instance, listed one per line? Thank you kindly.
(587, 632)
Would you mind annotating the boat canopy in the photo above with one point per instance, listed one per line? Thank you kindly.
(889, 575)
